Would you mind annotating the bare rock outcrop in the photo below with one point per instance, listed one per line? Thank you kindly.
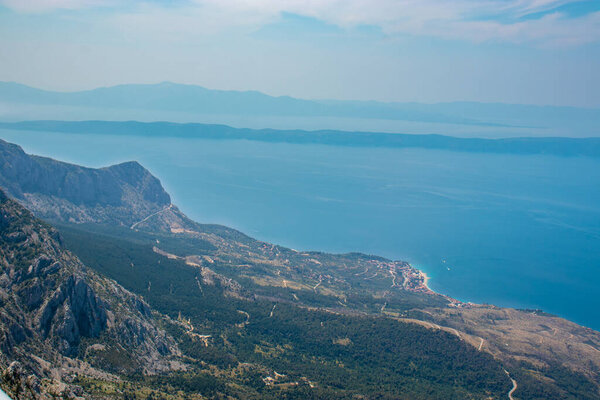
(51, 304)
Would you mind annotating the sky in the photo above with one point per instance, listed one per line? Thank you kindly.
(543, 52)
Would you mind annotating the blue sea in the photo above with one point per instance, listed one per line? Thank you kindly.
(512, 230)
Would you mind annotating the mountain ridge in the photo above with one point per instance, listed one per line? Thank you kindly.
(53, 188)
(20, 86)
(197, 99)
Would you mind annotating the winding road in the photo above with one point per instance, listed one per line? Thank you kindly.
(514, 387)
(151, 215)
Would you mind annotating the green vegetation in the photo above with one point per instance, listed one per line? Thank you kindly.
(558, 383)
(258, 341)
(307, 353)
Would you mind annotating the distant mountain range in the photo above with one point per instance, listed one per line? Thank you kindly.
(132, 299)
(192, 99)
(539, 145)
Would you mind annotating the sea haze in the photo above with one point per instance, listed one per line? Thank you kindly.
(188, 103)
(513, 230)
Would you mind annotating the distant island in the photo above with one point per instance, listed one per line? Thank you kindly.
(560, 146)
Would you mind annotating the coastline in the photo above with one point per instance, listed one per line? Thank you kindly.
(426, 279)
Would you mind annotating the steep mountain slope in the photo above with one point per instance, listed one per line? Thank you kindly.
(232, 301)
(120, 194)
(54, 311)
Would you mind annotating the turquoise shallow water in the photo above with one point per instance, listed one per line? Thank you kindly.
(512, 230)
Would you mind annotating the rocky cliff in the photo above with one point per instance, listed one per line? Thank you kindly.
(120, 194)
(57, 318)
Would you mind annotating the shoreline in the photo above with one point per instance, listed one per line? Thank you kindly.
(425, 284)
(426, 279)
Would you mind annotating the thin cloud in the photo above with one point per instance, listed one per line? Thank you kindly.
(469, 20)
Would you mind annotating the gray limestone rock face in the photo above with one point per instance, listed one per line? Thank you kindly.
(72, 311)
(32, 293)
(50, 303)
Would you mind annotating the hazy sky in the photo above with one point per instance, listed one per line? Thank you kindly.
(517, 51)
